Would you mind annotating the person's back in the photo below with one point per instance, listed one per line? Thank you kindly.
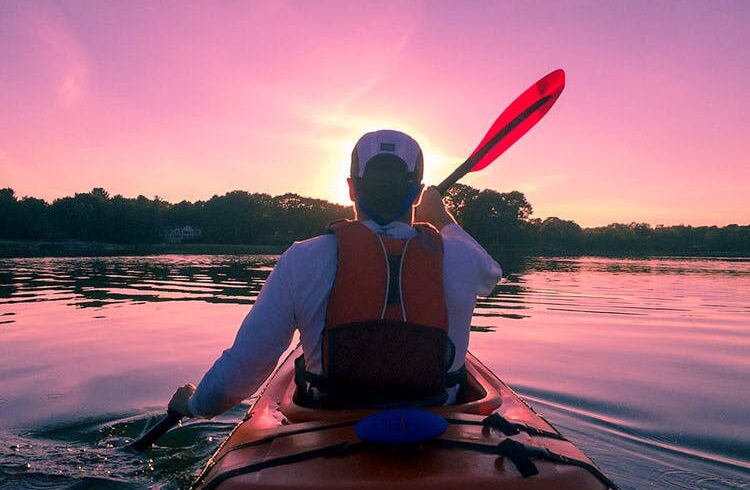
(383, 307)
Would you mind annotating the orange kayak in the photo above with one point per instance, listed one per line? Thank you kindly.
(493, 440)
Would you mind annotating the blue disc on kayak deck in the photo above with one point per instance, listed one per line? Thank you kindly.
(400, 426)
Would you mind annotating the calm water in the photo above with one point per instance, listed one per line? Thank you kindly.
(645, 364)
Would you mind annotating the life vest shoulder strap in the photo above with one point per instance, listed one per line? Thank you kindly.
(358, 290)
(422, 278)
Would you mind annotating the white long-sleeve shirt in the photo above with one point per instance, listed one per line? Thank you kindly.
(295, 296)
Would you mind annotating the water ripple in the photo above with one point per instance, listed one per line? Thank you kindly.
(99, 282)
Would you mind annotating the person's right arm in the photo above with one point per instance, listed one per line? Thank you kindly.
(432, 210)
(486, 270)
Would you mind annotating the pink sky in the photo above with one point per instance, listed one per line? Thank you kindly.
(186, 100)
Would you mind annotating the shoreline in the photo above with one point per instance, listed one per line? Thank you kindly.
(76, 248)
(18, 249)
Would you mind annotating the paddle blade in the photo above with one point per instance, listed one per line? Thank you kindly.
(520, 116)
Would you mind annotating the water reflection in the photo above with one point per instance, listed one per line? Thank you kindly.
(646, 265)
(97, 282)
(642, 362)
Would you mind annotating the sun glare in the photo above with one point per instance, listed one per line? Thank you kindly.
(438, 162)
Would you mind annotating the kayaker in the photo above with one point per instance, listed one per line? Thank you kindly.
(383, 306)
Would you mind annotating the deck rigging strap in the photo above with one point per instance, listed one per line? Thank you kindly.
(508, 428)
(518, 453)
(333, 450)
(495, 421)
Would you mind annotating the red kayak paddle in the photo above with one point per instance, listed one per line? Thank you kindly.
(520, 116)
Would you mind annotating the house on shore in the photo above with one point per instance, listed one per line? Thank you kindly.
(182, 234)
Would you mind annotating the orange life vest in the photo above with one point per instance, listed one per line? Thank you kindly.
(385, 340)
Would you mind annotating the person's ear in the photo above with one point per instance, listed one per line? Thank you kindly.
(352, 192)
(418, 199)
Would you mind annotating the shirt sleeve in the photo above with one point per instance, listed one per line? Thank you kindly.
(487, 271)
(263, 336)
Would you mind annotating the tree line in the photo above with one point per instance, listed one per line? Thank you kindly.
(237, 217)
(504, 221)
(498, 220)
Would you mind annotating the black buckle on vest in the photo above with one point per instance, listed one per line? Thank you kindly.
(457, 377)
(301, 374)
(305, 381)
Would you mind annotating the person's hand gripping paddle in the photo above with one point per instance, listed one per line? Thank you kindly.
(520, 116)
(513, 123)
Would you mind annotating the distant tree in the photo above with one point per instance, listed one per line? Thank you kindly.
(560, 234)
(83, 216)
(32, 219)
(458, 197)
(496, 219)
(138, 220)
(8, 213)
(100, 194)
(300, 217)
(236, 217)
(23, 219)
(184, 213)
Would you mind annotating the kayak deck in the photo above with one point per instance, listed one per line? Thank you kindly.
(493, 439)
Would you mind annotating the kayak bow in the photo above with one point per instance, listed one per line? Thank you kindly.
(493, 439)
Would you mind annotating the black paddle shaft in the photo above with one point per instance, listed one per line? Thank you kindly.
(146, 440)
(466, 167)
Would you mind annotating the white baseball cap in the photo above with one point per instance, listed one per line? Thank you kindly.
(388, 142)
